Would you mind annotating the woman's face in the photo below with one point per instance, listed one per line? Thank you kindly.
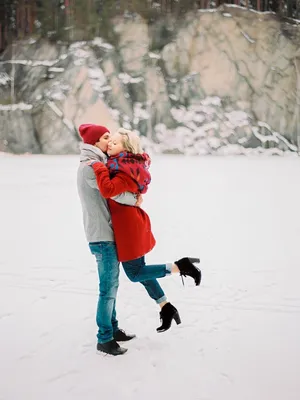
(115, 144)
(102, 143)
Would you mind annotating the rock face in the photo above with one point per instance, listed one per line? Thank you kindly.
(242, 56)
(17, 133)
(227, 81)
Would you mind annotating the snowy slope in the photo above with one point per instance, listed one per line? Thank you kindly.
(239, 339)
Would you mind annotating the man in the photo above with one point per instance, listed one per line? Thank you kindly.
(99, 234)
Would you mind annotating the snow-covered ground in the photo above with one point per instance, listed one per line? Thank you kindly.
(239, 337)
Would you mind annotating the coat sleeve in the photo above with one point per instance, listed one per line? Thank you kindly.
(110, 187)
(126, 198)
(90, 177)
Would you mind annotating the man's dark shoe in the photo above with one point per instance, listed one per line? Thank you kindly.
(121, 336)
(111, 348)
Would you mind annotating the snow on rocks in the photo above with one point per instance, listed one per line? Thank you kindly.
(99, 42)
(14, 107)
(4, 78)
(206, 128)
(86, 77)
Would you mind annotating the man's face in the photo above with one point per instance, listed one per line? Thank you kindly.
(102, 144)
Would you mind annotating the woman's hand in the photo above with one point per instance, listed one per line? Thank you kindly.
(139, 200)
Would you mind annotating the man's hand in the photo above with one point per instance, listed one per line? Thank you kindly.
(139, 200)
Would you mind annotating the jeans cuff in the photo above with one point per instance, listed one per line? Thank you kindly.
(169, 268)
(161, 300)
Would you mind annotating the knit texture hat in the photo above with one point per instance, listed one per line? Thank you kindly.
(91, 133)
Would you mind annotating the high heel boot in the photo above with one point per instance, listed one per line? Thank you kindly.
(187, 268)
(167, 314)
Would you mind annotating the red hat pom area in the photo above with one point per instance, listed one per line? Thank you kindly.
(91, 133)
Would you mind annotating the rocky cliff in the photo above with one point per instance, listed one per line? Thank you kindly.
(221, 81)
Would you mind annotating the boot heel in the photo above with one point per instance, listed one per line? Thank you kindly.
(177, 318)
(194, 260)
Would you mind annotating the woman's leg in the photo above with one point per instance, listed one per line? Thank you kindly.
(137, 271)
(155, 291)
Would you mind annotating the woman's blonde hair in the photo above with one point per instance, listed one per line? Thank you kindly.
(131, 141)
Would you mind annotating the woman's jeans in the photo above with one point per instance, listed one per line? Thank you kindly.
(138, 271)
(108, 272)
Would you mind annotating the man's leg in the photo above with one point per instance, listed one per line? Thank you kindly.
(114, 321)
(108, 271)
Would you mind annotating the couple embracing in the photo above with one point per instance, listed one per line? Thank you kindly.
(112, 177)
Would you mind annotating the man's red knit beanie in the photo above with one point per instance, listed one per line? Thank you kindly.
(91, 133)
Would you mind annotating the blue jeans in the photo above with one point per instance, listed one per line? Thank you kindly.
(138, 271)
(108, 272)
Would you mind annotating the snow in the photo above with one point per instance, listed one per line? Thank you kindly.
(103, 89)
(173, 97)
(69, 124)
(4, 78)
(100, 43)
(36, 63)
(254, 11)
(239, 337)
(154, 55)
(208, 118)
(277, 136)
(212, 100)
(237, 118)
(98, 80)
(210, 10)
(57, 95)
(140, 112)
(290, 146)
(47, 63)
(15, 106)
(246, 36)
(55, 109)
(56, 69)
(80, 52)
(97, 74)
(114, 113)
(37, 23)
(126, 125)
(126, 78)
(228, 6)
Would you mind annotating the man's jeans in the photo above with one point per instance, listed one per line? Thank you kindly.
(138, 271)
(108, 271)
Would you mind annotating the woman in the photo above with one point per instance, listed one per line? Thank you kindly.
(127, 170)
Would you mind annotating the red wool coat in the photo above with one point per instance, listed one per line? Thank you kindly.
(132, 226)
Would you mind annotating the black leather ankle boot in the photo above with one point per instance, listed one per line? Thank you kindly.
(187, 268)
(167, 314)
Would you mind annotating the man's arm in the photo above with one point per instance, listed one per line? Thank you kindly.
(127, 198)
